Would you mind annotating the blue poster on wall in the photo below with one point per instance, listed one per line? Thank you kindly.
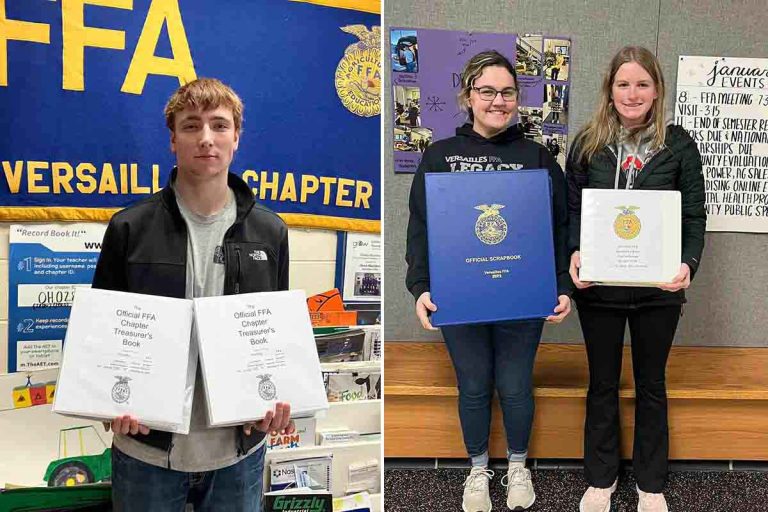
(47, 263)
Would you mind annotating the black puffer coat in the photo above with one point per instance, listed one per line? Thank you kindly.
(675, 166)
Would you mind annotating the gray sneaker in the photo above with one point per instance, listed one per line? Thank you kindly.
(520, 495)
(477, 498)
(597, 499)
(651, 502)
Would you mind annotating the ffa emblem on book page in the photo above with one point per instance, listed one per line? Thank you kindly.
(490, 228)
(121, 391)
(267, 389)
(358, 75)
(627, 225)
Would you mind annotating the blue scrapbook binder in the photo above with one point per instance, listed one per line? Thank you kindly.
(491, 250)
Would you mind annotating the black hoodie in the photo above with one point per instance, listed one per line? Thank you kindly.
(469, 151)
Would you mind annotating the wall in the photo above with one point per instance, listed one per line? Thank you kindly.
(727, 297)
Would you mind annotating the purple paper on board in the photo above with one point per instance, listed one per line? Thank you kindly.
(552, 129)
(531, 90)
(445, 54)
(442, 56)
(435, 79)
(407, 161)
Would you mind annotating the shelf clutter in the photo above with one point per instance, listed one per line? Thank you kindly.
(334, 459)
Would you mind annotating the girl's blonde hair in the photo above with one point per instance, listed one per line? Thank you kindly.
(605, 127)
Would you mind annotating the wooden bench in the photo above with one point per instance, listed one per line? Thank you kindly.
(718, 403)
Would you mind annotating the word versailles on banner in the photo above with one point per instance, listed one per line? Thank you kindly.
(34, 177)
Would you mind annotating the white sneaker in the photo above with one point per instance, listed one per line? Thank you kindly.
(520, 495)
(477, 497)
(597, 499)
(651, 502)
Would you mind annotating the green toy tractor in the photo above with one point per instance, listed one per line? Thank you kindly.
(79, 469)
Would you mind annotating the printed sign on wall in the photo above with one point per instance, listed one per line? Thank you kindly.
(723, 103)
(359, 267)
(426, 79)
(47, 263)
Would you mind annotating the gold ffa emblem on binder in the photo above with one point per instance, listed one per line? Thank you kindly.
(358, 75)
(490, 228)
(627, 225)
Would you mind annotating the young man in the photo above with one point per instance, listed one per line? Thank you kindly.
(195, 238)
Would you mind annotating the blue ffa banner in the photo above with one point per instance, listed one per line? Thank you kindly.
(46, 265)
(83, 84)
(491, 248)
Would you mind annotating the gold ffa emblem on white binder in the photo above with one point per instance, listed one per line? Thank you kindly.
(627, 225)
(490, 228)
(358, 75)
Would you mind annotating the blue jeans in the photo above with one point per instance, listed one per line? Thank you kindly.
(499, 355)
(143, 487)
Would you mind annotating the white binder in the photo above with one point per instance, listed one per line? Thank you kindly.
(258, 349)
(126, 353)
(630, 237)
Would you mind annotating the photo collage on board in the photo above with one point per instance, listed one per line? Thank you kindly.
(543, 68)
(409, 134)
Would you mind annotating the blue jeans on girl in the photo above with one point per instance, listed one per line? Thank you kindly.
(496, 356)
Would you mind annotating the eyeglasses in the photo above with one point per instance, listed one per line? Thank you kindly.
(489, 93)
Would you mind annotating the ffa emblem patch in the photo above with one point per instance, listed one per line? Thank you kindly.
(267, 389)
(121, 391)
(627, 225)
(358, 75)
(490, 228)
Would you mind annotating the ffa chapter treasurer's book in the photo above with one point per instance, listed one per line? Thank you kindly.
(126, 353)
(491, 249)
(257, 349)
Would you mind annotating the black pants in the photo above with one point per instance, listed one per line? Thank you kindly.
(652, 330)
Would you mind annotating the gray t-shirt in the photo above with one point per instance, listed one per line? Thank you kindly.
(204, 449)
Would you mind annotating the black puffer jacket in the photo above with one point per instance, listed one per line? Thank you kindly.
(676, 166)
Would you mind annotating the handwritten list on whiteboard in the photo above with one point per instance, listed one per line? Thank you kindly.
(723, 103)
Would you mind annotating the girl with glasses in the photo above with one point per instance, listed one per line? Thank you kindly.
(498, 355)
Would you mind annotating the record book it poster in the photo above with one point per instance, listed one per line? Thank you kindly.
(426, 69)
(46, 265)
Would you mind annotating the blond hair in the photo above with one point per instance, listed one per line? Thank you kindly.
(605, 127)
(205, 94)
(472, 71)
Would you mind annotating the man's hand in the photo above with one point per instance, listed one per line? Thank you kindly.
(423, 306)
(561, 310)
(275, 422)
(126, 424)
(574, 271)
(681, 281)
